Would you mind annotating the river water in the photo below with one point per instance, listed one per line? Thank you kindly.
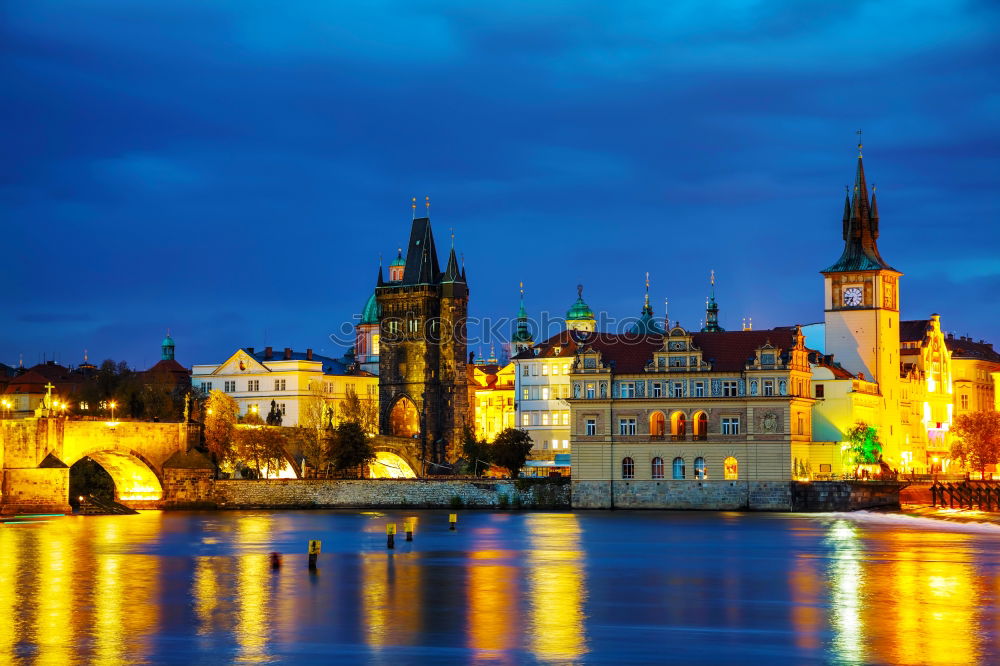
(505, 587)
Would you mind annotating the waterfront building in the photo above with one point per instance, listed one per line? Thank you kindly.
(492, 398)
(690, 406)
(305, 387)
(423, 377)
(975, 370)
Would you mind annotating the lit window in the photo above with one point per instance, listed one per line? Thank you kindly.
(657, 468)
(628, 468)
(730, 469)
(375, 339)
(555, 369)
(545, 418)
(545, 393)
(565, 418)
(730, 425)
(964, 399)
(545, 369)
(590, 390)
(524, 394)
(565, 443)
(699, 468)
(525, 419)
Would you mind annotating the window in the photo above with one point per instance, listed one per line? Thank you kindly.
(657, 467)
(545, 444)
(730, 469)
(565, 443)
(628, 389)
(534, 418)
(230, 386)
(394, 326)
(413, 325)
(677, 389)
(964, 399)
(657, 389)
(591, 427)
(206, 386)
(730, 425)
(677, 362)
(565, 368)
(767, 359)
(84, 405)
(825, 468)
(590, 390)
(524, 394)
(801, 425)
(678, 468)
(626, 426)
(545, 391)
(701, 426)
(279, 385)
(628, 468)
(253, 385)
(699, 389)
(768, 387)
(534, 393)
(699, 468)
(545, 370)
(545, 418)
(565, 418)
(555, 369)
(820, 390)
(729, 388)
(524, 370)
(657, 424)
(525, 418)
(534, 369)
(375, 339)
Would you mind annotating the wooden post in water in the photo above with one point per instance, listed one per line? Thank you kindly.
(408, 526)
(314, 548)
(390, 535)
(452, 520)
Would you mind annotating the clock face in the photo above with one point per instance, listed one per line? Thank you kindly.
(852, 297)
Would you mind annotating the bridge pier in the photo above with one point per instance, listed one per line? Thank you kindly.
(38, 490)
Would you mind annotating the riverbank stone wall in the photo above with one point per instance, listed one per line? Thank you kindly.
(389, 493)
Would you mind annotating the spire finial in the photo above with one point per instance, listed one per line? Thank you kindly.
(666, 314)
(859, 143)
(427, 205)
(452, 230)
(579, 291)
(647, 288)
(84, 355)
(413, 205)
(711, 277)
(380, 260)
(521, 285)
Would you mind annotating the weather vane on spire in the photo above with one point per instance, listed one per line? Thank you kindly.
(427, 204)
(522, 288)
(579, 291)
(859, 143)
(452, 230)
(413, 205)
(647, 288)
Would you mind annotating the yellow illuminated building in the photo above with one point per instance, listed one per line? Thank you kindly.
(492, 399)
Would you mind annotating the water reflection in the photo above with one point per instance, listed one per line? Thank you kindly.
(556, 581)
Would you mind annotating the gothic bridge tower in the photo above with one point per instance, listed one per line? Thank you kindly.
(422, 350)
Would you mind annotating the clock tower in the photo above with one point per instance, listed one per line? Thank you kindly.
(861, 297)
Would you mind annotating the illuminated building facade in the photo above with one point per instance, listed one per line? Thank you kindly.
(304, 386)
(423, 392)
(491, 389)
(975, 369)
(927, 400)
(690, 406)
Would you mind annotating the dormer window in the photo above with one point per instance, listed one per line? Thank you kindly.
(767, 359)
(557, 351)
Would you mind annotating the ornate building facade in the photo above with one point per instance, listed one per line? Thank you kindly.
(423, 391)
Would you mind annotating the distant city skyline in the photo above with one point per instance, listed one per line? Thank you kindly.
(233, 173)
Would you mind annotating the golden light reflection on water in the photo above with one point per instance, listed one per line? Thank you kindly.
(253, 590)
(10, 561)
(555, 586)
(915, 603)
(493, 591)
(392, 598)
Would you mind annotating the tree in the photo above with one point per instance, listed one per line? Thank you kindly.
(978, 439)
(362, 411)
(510, 450)
(350, 447)
(221, 413)
(258, 446)
(476, 451)
(864, 446)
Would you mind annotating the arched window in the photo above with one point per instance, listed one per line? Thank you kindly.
(678, 467)
(657, 424)
(628, 468)
(700, 421)
(730, 468)
(678, 425)
(699, 468)
(657, 467)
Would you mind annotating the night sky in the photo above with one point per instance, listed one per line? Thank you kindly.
(232, 170)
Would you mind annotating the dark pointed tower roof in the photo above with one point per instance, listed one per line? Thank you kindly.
(380, 281)
(860, 230)
(646, 324)
(451, 272)
(712, 311)
(421, 255)
(521, 332)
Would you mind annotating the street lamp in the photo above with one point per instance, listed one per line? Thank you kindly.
(112, 405)
(6, 408)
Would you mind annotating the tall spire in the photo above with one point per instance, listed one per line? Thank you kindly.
(646, 324)
(711, 310)
(860, 227)
(521, 339)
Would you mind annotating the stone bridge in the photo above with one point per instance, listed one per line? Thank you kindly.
(398, 453)
(36, 454)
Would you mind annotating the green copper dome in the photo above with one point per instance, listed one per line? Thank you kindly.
(399, 261)
(579, 310)
(167, 341)
(370, 314)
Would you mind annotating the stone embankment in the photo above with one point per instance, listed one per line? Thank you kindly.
(373, 493)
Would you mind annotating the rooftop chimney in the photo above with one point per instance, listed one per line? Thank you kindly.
(309, 354)
(268, 353)
(250, 350)
(288, 353)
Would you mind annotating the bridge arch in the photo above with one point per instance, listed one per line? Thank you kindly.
(389, 464)
(404, 420)
(135, 478)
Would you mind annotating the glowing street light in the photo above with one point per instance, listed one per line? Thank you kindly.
(6, 408)
(112, 405)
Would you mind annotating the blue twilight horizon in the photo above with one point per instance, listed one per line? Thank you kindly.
(232, 170)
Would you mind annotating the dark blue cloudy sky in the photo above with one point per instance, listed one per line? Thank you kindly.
(232, 170)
